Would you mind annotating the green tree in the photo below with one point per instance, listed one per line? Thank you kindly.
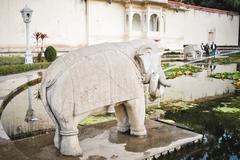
(233, 5)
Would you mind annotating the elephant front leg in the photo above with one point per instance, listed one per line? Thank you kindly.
(122, 118)
(136, 115)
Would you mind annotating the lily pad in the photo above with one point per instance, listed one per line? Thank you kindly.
(227, 110)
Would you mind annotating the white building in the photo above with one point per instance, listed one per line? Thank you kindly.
(75, 23)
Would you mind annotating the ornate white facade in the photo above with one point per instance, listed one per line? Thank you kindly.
(75, 23)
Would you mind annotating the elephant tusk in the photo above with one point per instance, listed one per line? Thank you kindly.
(163, 81)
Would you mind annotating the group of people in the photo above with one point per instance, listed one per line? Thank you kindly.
(209, 50)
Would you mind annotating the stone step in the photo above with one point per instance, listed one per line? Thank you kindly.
(222, 49)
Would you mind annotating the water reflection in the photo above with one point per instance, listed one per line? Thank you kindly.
(221, 130)
(159, 135)
(238, 67)
(211, 67)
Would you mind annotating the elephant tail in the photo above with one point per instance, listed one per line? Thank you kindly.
(43, 93)
(54, 71)
(45, 85)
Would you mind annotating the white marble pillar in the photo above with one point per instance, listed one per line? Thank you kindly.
(147, 21)
(130, 18)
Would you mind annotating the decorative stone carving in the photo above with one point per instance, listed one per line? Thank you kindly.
(83, 81)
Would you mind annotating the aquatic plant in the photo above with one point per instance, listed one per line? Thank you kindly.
(227, 109)
(227, 75)
(165, 65)
(218, 121)
(237, 84)
(183, 70)
(235, 58)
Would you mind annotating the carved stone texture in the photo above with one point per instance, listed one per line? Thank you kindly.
(83, 81)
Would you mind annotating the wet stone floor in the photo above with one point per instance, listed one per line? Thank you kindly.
(102, 141)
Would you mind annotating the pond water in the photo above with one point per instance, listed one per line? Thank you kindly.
(201, 84)
(219, 122)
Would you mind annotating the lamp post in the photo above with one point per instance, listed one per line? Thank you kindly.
(26, 15)
(30, 116)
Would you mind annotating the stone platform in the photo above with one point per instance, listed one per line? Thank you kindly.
(102, 141)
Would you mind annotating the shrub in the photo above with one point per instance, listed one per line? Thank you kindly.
(12, 69)
(50, 53)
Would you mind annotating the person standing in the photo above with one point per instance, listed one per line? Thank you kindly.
(202, 47)
(202, 51)
(206, 48)
(213, 48)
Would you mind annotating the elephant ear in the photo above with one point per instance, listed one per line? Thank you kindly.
(143, 60)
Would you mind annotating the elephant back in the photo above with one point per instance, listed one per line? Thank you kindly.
(101, 75)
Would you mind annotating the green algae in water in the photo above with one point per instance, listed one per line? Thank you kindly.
(227, 110)
(219, 122)
(235, 58)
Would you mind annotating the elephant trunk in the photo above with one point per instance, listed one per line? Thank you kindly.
(156, 85)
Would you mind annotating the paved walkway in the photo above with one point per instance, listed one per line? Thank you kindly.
(10, 82)
(7, 84)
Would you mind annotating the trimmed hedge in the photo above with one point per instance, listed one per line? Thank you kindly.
(11, 60)
(13, 69)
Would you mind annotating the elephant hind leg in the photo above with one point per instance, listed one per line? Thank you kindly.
(68, 132)
(69, 144)
(122, 118)
(62, 110)
(55, 122)
(136, 114)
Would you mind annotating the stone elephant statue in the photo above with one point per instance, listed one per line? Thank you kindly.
(193, 52)
(85, 80)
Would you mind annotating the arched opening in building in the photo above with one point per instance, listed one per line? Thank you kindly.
(164, 23)
(127, 23)
(154, 23)
(136, 23)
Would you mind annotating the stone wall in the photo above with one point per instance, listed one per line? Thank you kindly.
(62, 20)
(71, 24)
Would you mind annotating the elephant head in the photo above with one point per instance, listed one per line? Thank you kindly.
(148, 59)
